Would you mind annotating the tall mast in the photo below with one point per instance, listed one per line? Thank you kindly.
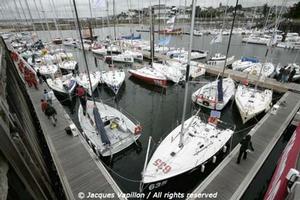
(270, 43)
(38, 13)
(54, 18)
(186, 84)
(151, 35)
(229, 42)
(34, 29)
(114, 17)
(84, 54)
(46, 19)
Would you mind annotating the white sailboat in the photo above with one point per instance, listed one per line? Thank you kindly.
(109, 132)
(208, 95)
(251, 101)
(244, 63)
(172, 73)
(106, 129)
(201, 142)
(65, 84)
(187, 147)
(218, 60)
(83, 80)
(121, 58)
(266, 69)
(136, 55)
(114, 79)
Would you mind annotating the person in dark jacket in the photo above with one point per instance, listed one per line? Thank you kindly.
(292, 74)
(246, 144)
(51, 113)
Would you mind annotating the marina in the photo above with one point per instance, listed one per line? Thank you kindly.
(112, 107)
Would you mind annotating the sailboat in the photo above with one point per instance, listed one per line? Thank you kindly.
(252, 101)
(64, 85)
(83, 80)
(218, 60)
(211, 97)
(187, 147)
(106, 129)
(172, 73)
(113, 79)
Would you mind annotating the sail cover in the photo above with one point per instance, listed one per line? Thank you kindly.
(100, 126)
(220, 90)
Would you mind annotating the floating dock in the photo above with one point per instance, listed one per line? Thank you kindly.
(229, 179)
(78, 167)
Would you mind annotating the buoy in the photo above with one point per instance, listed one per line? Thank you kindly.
(214, 159)
(202, 168)
(137, 129)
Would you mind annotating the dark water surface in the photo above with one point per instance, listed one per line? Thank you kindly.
(159, 111)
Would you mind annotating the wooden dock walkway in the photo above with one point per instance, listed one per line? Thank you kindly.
(231, 180)
(79, 169)
(269, 83)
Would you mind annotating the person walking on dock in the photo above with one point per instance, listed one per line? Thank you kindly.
(51, 114)
(47, 97)
(292, 74)
(44, 105)
(80, 92)
(246, 144)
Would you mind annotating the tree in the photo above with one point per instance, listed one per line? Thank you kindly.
(239, 7)
(294, 11)
(265, 10)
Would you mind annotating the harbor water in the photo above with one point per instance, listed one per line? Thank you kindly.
(160, 110)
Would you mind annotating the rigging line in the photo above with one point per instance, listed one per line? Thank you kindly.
(82, 45)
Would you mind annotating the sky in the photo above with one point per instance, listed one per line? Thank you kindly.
(63, 9)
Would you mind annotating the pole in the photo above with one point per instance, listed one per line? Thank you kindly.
(270, 43)
(187, 74)
(34, 29)
(228, 46)
(46, 19)
(152, 33)
(114, 17)
(37, 10)
(84, 55)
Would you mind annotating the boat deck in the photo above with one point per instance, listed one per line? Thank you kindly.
(78, 167)
(231, 180)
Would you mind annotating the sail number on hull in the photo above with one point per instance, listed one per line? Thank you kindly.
(162, 166)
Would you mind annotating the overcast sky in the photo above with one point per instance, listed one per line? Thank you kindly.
(62, 7)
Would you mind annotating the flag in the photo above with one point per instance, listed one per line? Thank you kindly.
(216, 39)
(164, 41)
(100, 3)
(171, 20)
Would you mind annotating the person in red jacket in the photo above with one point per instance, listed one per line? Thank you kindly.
(81, 93)
(44, 105)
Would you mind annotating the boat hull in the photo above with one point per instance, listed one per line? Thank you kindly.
(149, 80)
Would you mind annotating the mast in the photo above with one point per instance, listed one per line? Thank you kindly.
(84, 54)
(114, 13)
(229, 42)
(46, 19)
(54, 18)
(152, 34)
(34, 29)
(187, 74)
(270, 43)
(37, 10)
